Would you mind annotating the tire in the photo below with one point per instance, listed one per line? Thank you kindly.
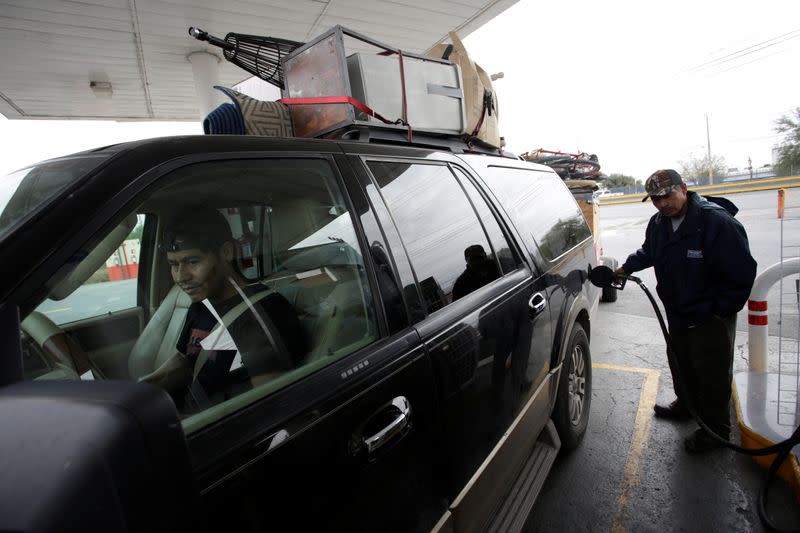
(609, 294)
(574, 396)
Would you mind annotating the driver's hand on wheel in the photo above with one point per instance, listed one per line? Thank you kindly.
(174, 375)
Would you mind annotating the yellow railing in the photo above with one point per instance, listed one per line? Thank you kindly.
(729, 188)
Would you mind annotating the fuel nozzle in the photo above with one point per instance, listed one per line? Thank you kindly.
(602, 276)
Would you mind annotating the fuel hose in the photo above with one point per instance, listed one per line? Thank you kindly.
(603, 277)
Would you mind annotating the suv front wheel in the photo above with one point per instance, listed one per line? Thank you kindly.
(571, 412)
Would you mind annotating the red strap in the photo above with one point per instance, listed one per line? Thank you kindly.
(484, 111)
(316, 100)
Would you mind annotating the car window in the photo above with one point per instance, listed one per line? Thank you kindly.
(505, 255)
(446, 244)
(260, 277)
(541, 207)
(109, 289)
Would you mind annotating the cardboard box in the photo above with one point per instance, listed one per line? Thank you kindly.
(477, 86)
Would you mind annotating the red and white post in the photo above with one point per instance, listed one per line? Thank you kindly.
(757, 316)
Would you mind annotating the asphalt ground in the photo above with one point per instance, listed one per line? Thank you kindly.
(631, 472)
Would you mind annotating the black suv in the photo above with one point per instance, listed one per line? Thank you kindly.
(445, 315)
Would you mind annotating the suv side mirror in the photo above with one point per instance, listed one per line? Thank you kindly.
(93, 456)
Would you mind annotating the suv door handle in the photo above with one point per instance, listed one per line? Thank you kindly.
(398, 426)
(536, 304)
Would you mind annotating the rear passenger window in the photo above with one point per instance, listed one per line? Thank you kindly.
(541, 207)
(446, 244)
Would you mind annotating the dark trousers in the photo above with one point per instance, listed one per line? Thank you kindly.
(705, 357)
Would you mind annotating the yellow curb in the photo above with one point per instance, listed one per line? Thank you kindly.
(789, 470)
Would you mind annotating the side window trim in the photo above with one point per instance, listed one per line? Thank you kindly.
(531, 258)
(514, 246)
(471, 208)
(477, 215)
(410, 161)
(386, 227)
(350, 186)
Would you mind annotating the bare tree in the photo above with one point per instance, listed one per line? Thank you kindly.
(696, 169)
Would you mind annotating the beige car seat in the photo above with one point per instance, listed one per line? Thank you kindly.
(157, 342)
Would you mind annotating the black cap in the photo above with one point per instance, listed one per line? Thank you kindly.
(199, 228)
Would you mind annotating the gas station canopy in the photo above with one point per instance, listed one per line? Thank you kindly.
(134, 60)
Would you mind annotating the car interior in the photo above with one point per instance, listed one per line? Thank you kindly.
(293, 235)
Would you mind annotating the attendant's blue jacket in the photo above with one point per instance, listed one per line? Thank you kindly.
(702, 269)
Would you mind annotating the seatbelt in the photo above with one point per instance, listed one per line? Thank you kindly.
(227, 320)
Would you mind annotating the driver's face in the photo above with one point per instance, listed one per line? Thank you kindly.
(199, 273)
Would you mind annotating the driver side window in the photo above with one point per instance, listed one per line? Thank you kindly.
(249, 276)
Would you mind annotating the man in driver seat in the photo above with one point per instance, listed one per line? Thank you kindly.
(262, 325)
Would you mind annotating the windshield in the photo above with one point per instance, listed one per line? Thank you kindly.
(26, 192)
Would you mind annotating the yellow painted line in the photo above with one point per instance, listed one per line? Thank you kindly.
(641, 429)
(59, 310)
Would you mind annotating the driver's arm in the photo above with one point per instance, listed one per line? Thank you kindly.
(174, 375)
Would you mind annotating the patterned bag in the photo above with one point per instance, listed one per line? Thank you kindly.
(270, 119)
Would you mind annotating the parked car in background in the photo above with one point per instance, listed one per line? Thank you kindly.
(422, 401)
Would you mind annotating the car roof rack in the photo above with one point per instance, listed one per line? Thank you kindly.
(398, 135)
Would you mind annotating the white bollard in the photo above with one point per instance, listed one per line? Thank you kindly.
(757, 318)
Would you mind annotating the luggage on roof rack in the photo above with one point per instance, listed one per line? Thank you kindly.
(331, 94)
(260, 56)
(568, 166)
(406, 91)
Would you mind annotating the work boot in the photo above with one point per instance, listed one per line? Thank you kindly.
(700, 442)
(673, 411)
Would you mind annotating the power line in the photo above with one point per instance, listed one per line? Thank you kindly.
(748, 62)
(747, 50)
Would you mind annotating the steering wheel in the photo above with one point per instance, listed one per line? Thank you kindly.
(60, 348)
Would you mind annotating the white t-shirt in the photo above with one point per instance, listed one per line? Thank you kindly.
(676, 222)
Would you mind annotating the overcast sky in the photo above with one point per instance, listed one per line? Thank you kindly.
(629, 81)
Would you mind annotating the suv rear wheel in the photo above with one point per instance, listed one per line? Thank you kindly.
(571, 413)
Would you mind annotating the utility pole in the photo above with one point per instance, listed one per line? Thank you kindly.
(708, 143)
